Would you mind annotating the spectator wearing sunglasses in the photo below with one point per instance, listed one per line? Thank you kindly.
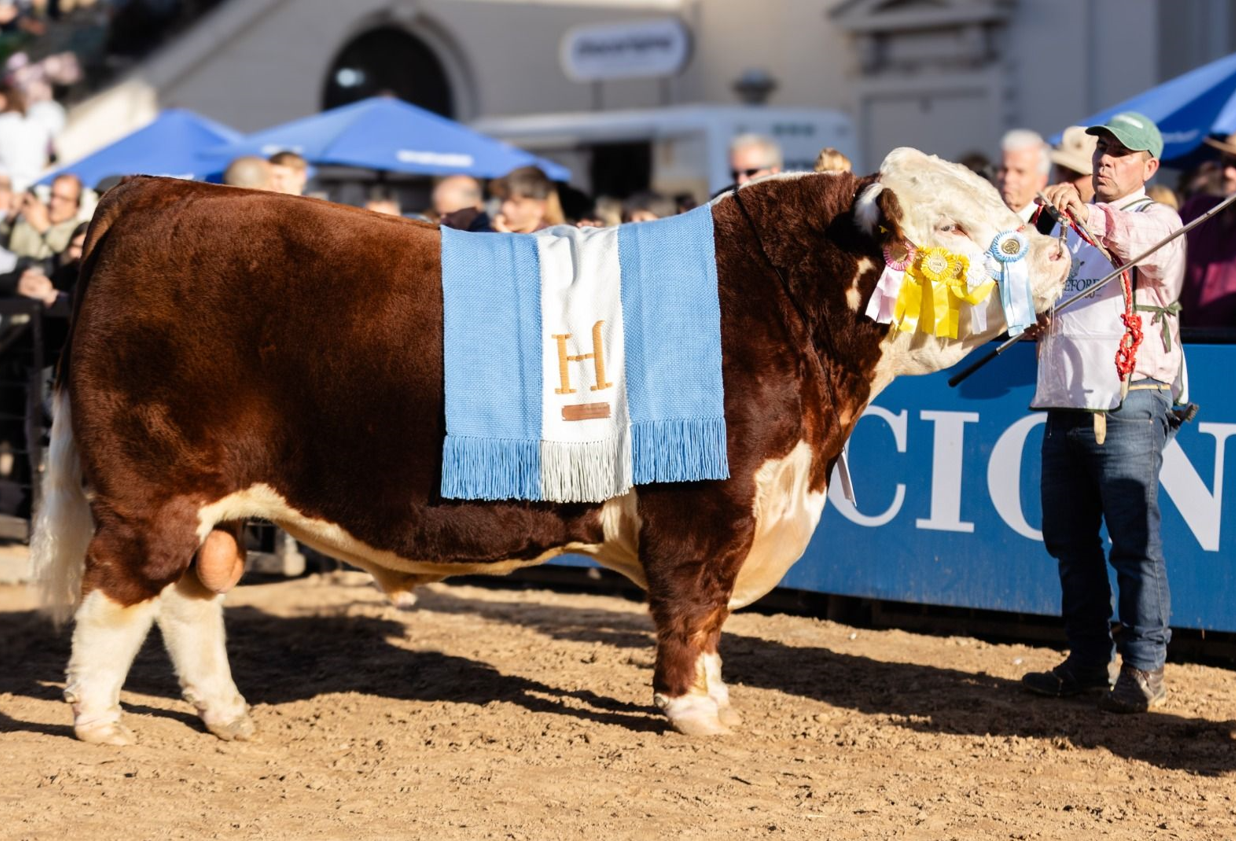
(1209, 295)
(753, 156)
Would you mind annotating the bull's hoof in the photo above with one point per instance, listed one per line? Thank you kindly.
(404, 600)
(693, 715)
(239, 729)
(105, 733)
(729, 716)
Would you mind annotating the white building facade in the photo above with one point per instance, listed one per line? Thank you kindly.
(947, 76)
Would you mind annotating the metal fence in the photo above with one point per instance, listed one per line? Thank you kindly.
(24, 420)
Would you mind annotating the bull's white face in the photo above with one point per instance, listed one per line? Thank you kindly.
(946, 205)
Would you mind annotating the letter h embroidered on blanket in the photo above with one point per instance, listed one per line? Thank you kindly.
(580, 362)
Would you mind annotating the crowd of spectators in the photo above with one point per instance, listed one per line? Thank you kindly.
(1028, 163)
(37, 225)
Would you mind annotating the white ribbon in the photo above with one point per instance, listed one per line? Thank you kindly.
(880, 308)
(980, 272)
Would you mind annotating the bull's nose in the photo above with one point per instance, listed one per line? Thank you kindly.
(1057, 253)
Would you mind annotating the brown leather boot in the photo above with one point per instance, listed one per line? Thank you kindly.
(1067, 679)
(1136, 691)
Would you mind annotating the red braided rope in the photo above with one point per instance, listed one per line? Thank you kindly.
(1126, 353)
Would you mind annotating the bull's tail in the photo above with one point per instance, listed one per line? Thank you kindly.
(63, 525)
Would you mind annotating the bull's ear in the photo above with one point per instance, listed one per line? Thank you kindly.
(877, 212)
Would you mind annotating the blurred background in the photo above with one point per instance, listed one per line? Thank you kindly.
(629, 95)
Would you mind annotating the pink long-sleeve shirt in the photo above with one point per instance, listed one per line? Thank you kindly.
(1160, 278)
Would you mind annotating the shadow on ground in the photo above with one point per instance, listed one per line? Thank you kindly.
(279, 659)
(916, 697)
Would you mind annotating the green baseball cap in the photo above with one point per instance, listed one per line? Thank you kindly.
(1136, 131)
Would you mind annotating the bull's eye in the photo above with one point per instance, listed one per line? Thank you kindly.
(950, 228)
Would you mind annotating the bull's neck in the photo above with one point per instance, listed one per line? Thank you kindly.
(799, 233)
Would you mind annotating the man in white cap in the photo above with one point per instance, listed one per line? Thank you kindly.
(1107, 425)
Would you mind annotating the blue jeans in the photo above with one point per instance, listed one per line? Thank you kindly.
(1118, 481)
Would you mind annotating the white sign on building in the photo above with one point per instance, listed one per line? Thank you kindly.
(639, 49)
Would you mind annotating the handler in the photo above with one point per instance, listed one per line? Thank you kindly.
(1105, 434)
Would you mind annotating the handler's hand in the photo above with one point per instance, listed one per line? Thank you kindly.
(1066, 198)
(1043, 323)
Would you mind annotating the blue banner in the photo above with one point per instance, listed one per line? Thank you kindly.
(948, 509)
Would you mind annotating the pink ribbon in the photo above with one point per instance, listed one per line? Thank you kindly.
(884, 299)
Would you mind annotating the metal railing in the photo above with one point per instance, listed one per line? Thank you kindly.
(24, 419)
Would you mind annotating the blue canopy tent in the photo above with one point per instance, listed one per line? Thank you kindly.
(170, 145)
(390, 135)
(1187, 109)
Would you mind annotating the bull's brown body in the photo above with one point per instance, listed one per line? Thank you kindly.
(227, 340)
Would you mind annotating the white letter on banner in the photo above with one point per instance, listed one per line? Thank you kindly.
(1202, 510)
(1004, 475)
(946, 471)
(897, 423)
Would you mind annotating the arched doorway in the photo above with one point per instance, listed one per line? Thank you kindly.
(388, 60)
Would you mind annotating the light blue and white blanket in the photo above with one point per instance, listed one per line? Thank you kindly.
(580, 362)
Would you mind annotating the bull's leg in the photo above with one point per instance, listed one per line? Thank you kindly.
(689, 606)
(106, 638)
(127, 567)
(687, 683)
(717, 690)
(191, 621)
(691, 565)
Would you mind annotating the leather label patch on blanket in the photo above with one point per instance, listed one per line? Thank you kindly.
(585, 411)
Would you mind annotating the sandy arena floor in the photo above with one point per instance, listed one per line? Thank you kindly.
(520, 714)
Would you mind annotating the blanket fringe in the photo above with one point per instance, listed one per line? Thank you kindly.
(585, 471)
(489, 468)
(679, 450)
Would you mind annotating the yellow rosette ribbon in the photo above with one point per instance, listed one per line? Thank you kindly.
(937, 284)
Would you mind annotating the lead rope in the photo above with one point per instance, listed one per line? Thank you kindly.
(844, 470)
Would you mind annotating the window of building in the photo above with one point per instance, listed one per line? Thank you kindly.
(388, 61)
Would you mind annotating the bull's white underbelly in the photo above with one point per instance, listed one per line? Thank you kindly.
(618, 551)
(786, 514)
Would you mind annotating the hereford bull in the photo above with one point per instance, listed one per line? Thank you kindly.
(243, 354)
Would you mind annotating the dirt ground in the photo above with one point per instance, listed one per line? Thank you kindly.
(526, 714)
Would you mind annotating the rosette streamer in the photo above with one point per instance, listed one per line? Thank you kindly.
(979, 284)
(1009, 251)
(883, 301)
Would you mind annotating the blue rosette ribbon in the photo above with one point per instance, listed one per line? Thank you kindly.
(1009, 250)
